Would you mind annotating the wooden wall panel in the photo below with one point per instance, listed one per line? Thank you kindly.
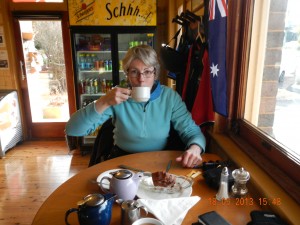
(7, 75)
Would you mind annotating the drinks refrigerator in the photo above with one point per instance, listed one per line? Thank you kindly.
(97, 53)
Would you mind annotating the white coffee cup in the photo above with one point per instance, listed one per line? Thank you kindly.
(147, 221)
(140, 94)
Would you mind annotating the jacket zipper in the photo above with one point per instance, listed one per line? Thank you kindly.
(144, 133)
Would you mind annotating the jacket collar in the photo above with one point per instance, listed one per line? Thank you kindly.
(156, 90)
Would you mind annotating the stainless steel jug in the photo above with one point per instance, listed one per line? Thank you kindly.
(131, 211)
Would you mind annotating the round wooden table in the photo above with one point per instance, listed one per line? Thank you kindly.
(69, 193)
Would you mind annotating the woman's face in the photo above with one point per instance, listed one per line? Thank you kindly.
(140, 75)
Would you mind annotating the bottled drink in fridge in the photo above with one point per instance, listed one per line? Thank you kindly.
(110, 65)
(96, 87)
(150, 39)
(81, 87)
(103, 86)
(82, 61)
(120, 64)
(88, 63)
(106, 65)
(87, 86)
(108, 85)
(94, 60)
(92, 87)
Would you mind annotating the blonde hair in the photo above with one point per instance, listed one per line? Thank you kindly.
(146, 54)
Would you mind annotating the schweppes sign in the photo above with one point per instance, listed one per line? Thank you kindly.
(112, 12)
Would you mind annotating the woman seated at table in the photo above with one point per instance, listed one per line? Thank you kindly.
(141, 126)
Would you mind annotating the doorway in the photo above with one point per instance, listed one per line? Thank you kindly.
(43, 74)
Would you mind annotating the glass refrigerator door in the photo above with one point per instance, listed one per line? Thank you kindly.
(126, 41)
(94, 70)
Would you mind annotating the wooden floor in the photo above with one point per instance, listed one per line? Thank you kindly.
(29, 173)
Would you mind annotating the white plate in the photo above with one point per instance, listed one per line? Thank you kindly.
(147, 192)
(182, 188)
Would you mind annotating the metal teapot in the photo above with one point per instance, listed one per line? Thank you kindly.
(123, 183)
(93, 209)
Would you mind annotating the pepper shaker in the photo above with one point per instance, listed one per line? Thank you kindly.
(240, 177)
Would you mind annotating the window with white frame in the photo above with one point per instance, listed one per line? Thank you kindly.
(273, 85)
(264, 70)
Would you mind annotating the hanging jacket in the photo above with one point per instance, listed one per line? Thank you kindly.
(197, 89)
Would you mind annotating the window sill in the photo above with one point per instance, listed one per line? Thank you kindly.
(261, 184)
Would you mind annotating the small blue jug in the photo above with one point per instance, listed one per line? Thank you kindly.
(93, 209)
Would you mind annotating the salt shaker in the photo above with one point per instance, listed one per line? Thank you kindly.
(240, 177)
(223, 189)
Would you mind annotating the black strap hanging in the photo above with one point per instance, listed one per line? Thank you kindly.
(175, 59)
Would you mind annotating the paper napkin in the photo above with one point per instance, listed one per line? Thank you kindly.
(170, 211)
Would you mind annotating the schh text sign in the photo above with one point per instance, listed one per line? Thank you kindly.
(112, 13)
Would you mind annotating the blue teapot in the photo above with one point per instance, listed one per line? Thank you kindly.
(93, 209)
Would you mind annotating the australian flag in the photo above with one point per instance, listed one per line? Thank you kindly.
(217, 27)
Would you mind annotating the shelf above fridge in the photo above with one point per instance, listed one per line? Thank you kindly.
(90, 51)
(95, 71)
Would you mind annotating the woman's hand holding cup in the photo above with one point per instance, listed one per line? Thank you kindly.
(114, 97)
(117, 95)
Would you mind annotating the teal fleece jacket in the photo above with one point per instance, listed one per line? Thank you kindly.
(141, 127)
